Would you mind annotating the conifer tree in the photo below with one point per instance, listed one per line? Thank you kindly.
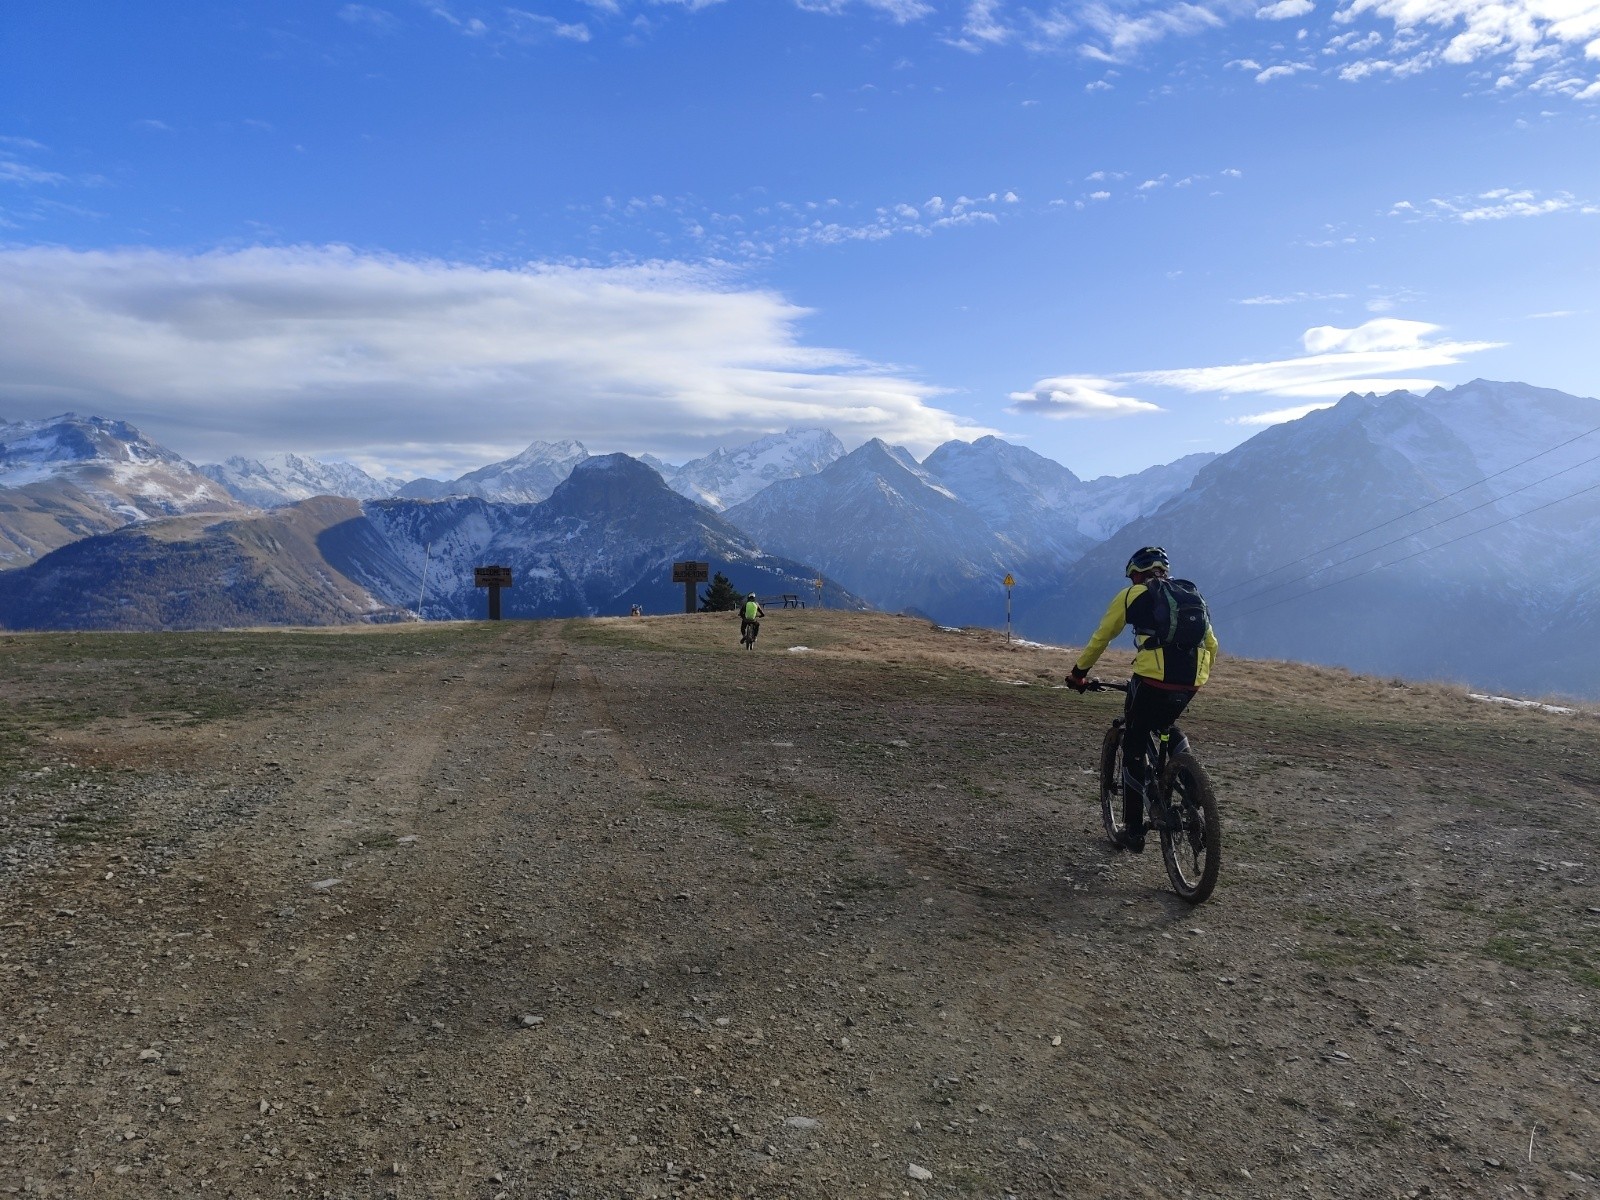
(721, 596)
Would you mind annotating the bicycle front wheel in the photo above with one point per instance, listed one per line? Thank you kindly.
(1193, 851)
(1111, 783)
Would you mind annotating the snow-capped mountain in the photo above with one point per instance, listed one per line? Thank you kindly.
(726, 477)
(1108, 503)
(274, 480)
(889, 531)
(525, 479)
(666, 470)
(1043, 509)
(68, 477)
(605, 539)
(1445, 536)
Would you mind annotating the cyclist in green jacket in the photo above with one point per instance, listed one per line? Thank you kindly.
(1165, 678)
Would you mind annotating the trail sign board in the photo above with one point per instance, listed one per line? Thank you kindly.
(493, 578)
(689, 574)
(1009, 582)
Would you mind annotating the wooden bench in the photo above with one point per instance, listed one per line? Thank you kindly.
(792, 601)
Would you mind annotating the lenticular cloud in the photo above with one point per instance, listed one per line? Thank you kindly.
(357, 352)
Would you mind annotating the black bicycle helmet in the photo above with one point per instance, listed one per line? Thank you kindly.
(1146, 558)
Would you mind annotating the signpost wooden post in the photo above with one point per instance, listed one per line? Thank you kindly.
(690, 574)
(493, 578)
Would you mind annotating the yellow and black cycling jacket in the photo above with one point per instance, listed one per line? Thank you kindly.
(1171, 668)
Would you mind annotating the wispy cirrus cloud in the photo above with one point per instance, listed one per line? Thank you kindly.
(1337, 360)
(1546, 45)
(417, 366)
(757, 227)
(898, 11)
(1381, 355)
(1293, 298)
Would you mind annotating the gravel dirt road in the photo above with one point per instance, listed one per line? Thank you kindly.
(612, 908)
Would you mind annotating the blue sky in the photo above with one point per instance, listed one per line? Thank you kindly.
(419, 235)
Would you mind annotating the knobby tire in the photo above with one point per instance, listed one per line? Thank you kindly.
(1111, 783)
(1193, 854)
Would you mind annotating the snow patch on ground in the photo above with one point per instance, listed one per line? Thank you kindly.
(799, 649)
(1515, 703)
(1035, 645)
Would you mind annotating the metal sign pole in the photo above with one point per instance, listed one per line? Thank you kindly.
(422, 589)
(1009, 582)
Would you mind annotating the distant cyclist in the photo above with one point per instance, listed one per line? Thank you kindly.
(1176, 647)
(750, 618)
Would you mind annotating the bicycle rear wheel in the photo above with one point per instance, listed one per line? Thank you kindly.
(1193, 852)
(1111, 783)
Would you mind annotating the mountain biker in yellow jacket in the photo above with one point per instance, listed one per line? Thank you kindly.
(1164, 680)
(750, 613)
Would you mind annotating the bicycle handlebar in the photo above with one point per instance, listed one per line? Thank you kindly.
(1107, 685)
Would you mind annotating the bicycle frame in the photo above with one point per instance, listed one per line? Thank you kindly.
(1178, 801)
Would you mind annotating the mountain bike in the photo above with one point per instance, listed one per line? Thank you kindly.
(1181, 805)
(748, 635)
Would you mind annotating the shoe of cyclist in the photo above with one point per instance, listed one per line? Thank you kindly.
(1132, 839)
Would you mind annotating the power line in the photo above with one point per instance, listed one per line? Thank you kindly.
(1413, 512)
(1425, 550)
(1414, 533)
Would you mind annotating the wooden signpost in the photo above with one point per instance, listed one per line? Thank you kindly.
(493, 578)
(690, 574)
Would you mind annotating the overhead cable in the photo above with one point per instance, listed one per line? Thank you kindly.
(1414, 533)
(1425, 550)
(1422, 508)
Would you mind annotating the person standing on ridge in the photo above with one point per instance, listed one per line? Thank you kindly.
(1176, 648)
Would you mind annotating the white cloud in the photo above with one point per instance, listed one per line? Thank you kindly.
(1285, 10)
(12, 171)
(421, 364)
(1279, 415)
(1072, 396)
(1123, 36)
(1428, 34)
(1294, 298)
(983, 22)
(1336, 361)
(898, 11)
(1497, 205)
(1281, 71)
(365, 14)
